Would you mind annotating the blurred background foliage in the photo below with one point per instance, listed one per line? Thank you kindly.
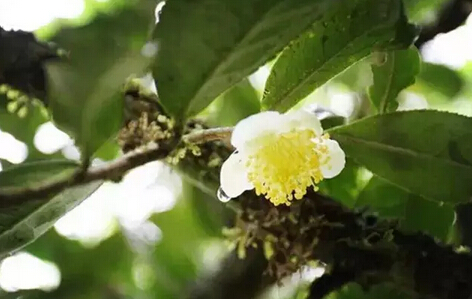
(167, 233)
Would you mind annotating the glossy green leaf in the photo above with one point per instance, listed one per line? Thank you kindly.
(414, 212)
(428, 153)
(238, 102)
(85, 91)
(206, 46)
(438, 78)
(22, 223)
(396, 73)
(348, 32)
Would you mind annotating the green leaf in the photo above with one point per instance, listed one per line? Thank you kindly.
(428, 216)
(428, 153)
(108, 151)
(357, 77)
(236, 103)
(438, 78)
(386, 199)
(348, 32)
(396, 73)
(23, 222)
(29, 175)
(206, 46)
(85, 91)
(333, 121)
(414, 212)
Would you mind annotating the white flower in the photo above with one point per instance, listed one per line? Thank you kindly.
(280, 156)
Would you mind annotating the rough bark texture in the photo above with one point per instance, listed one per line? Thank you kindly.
(22, 60)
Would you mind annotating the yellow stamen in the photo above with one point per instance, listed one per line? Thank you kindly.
(285, 165)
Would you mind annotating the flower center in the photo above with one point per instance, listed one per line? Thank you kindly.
(285, 165)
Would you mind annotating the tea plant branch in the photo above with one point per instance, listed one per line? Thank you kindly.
(111, 171)
(207, 135)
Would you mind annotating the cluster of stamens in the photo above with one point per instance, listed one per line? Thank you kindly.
(285, 165)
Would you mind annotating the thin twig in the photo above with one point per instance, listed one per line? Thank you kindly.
(110, 171)
(207, 135)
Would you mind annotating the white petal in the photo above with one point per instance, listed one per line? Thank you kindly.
(254, 126)
(303, 119)
(336, 159)
(233, 176)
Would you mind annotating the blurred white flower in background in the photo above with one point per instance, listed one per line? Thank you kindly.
(451, 49)
(128, 203)
(11, 149)
(24, 271)
(49, 139)
(29, 15)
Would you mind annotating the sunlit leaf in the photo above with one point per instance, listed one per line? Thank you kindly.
(348, 32)
(206, 46)
(394, 146)
(396, 73)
